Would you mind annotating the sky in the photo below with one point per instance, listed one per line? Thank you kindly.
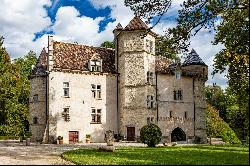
(25, 25)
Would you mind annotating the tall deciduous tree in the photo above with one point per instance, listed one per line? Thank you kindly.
(14, 92)
(108, 44)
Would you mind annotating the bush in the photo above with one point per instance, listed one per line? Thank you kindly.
(217, 127)
(150, 135)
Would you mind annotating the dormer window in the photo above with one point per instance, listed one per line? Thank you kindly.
(177, 74)
(95, 65)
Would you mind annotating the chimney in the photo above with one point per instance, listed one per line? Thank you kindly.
(50, 52)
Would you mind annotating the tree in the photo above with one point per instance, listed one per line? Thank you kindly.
(108, 44)
(14, 92)
(150, 135)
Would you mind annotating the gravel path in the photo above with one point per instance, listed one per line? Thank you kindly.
(14, 152)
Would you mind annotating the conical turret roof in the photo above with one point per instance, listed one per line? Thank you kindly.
(136, 24)
(193, 59)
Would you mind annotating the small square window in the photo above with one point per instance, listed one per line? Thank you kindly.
(35, 98)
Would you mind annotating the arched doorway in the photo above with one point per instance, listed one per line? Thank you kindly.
(178, 135)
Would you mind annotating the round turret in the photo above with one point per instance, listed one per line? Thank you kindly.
(194, 65)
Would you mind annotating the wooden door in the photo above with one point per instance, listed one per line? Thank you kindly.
(73, 137)
(130, 133)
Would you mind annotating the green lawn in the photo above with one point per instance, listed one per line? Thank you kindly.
(201, 155)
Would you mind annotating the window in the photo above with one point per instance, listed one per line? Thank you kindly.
(151, 46)
(150, 77)
(170, 114)
(150, 120)
(185, 114)
(150, 101)
(66, 89)
(177, 74)
(96, 115)
(177, 94)
(35, 120)
(35, 98)
(65, 114)
(96, 91)
(95, 65)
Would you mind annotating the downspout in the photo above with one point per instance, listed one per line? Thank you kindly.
(156, 97)
(117, 86)
(194, 105)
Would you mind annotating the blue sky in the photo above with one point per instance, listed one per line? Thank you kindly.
(25, 25)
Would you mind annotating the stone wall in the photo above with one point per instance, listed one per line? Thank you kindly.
(37, 108)
(80, 102)
(166, 84)
(134, 63)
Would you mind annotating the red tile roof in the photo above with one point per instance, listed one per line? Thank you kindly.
(76, 57)
(162, 64)
(136, 24)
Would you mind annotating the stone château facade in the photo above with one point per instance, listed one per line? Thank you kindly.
(78, 90)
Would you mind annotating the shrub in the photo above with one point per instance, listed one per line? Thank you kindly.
(150, 135)
(217, 127)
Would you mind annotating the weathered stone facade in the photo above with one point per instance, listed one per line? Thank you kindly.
(137, 88)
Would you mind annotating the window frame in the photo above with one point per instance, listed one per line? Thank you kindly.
(94, 66)
(178, 94)
(65, 114)
(96, 92)
(150, 77)
(66, 89)
(35, 98)
(150, 101)
(96, 116)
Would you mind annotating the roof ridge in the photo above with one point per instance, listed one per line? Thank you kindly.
(82, 45)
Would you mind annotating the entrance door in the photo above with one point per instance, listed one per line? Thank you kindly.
(73, 137)
(130, 133)
(178, 135)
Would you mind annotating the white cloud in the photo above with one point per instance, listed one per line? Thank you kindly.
(22, 19)
(19, 21)
(201, 43)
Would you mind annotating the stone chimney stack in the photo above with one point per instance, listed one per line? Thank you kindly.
(116, 31)
(50, 52)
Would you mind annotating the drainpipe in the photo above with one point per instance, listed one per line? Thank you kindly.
(194, 105)
(117, 86)
(156, 97)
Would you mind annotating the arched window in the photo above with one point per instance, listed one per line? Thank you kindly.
(35, 120)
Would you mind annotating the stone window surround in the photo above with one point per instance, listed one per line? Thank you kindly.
(150, 77)
(96, 90)
(150, 120)
(150, 101)
(96, 116)
(149, 46)
(177, 74)
(65, 114)
(35, 120)
(66, 89)
(178, 94)
(35, 98)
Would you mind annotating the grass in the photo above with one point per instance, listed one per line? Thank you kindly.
(185, 155)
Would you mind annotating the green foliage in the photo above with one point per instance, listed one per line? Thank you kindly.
(28, 134)
(177, 155)
(216, 127)
(150, 135)
(108, 44)
(14, 92)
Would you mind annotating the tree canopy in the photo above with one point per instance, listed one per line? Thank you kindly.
(14, 92)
